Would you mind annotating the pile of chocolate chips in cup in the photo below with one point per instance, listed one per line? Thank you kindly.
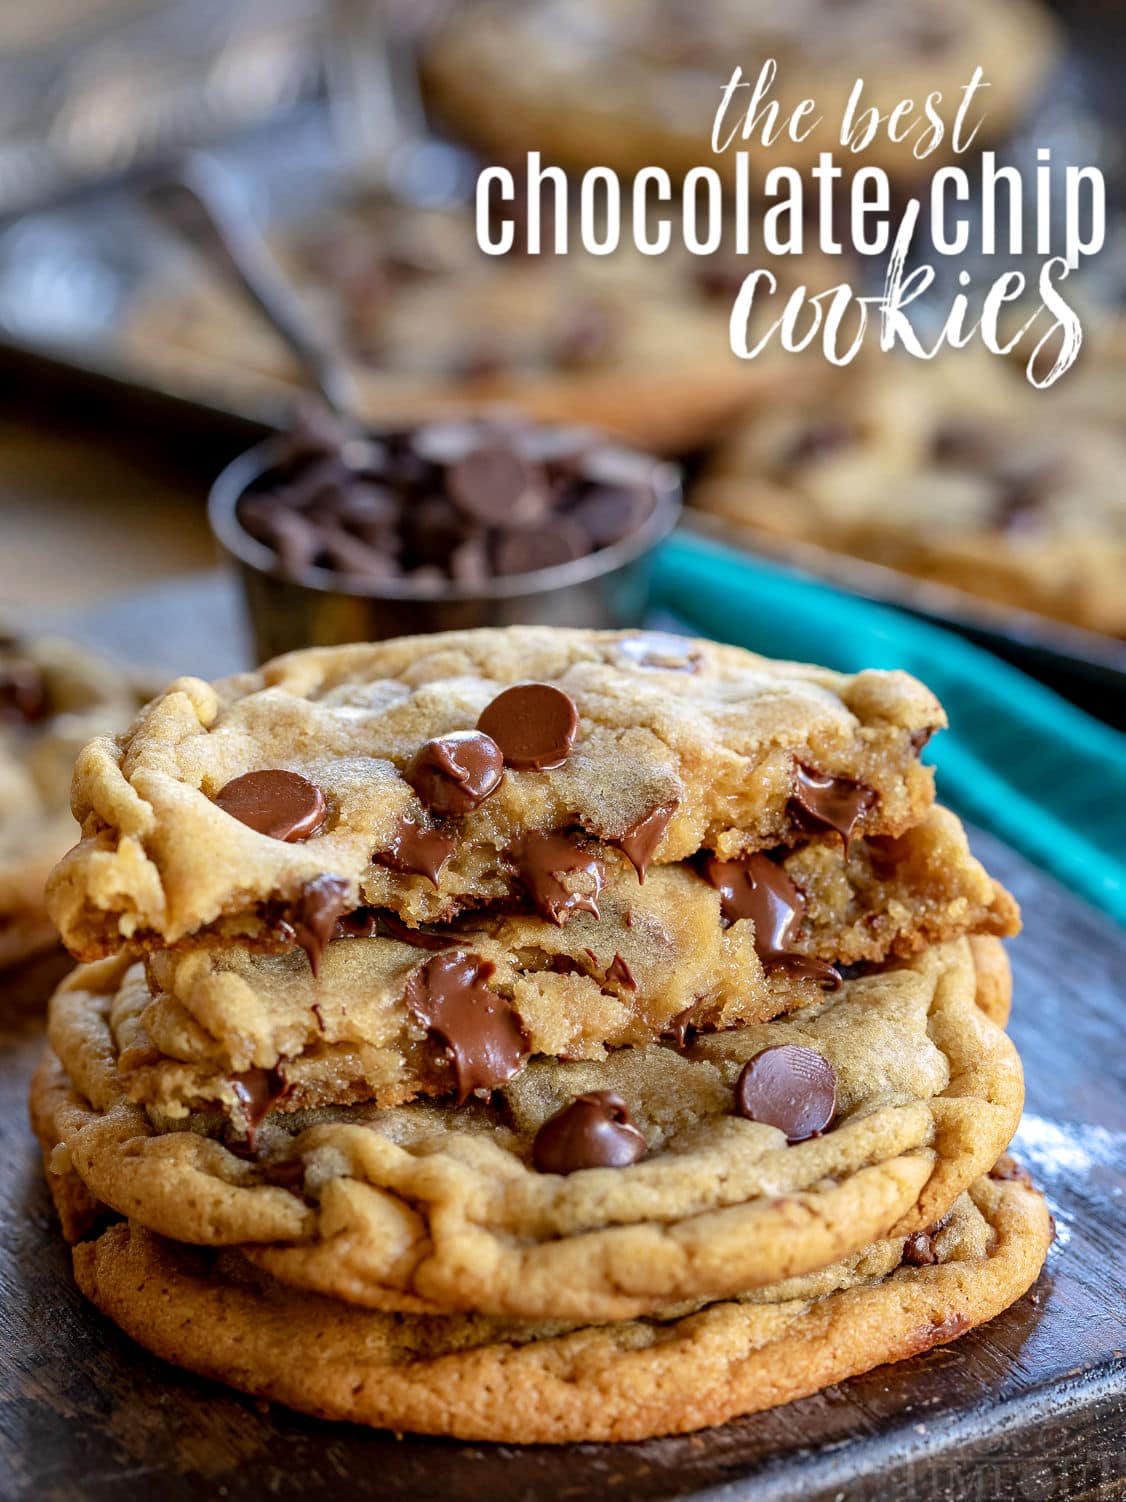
(461, 501)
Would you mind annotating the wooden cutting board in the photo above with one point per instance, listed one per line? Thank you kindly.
(1031, 1408)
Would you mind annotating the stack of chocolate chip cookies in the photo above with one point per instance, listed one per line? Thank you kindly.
(533, 1035)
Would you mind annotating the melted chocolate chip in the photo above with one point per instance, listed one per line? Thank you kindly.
(454, 774)
(758, 888)
(23, 693)
(420, 938)
(594, 1131)
(363, 923)
(534, 724)
(825, 802)
(377, 923)
(918, 1250)
(805, 967)
(283, 805)
(258, 1091)
(640, 840)
(314, 915)
(417, 850)
(620, 972)
(541, 859)
(483, 1035)
(681, 1026)
(920, 738)
(792, 1088)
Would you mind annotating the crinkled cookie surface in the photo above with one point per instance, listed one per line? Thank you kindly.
(431, 1206)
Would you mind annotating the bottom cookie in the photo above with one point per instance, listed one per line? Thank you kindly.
(479, 1379)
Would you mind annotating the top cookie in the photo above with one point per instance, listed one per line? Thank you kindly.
(403, 776)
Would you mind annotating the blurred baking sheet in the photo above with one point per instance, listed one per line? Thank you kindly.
(1087, 668)
(70, 278)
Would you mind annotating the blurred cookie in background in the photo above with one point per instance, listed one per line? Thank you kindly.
(637, 345)
(633, 83)
(957, 471)
(54, 697)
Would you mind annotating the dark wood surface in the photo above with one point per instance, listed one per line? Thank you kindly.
(1031, 1408)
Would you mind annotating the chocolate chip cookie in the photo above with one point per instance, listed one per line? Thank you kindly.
(628, 84)
(433, 775)
(478, 1379)
(54, 697)
(636, 345)
(583, 1190)
(957, 471)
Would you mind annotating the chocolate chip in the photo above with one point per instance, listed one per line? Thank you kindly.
(920, 738)
(495, 486)
(534, 724)
(418, 849)
(362, 923)
(639, 842)
(23, 692)
(258, 1091)
(620, 972)
(543, 859)
(455, 773)
(611, 512)
(825, 802)
(544, 547)
(483, 1035)
(918, 1250)
(355, 559)
(594, 1131)
(315, 913)
(792, 1088)
(433, 529)
(283, 805)
(393, 927)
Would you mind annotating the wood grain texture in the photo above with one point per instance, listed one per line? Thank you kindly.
(1031, 1407)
